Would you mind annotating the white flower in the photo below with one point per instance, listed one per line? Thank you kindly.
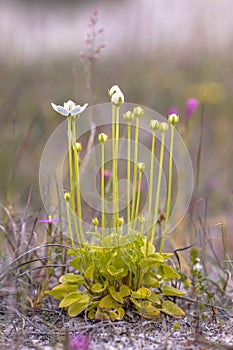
(116, 95)
(198, 266)
(69, 108)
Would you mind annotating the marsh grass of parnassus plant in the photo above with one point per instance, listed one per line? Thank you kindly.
(121, 270)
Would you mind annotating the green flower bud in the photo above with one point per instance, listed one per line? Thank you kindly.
(77, 146)
(173, 119)
(142, 219)
(67, 196)
(141, 167)
(154, 124)
(138, 112)
(128, 116)
(95, 221)
(120, 221)
(163, 127)
(102, 137)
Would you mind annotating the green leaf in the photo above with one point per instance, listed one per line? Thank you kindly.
(117, 315)
(171, 291)
(91, 314)
(89, 272)
(154, 298)
(141, 304)
(76, 308)
(72, 278)
(114, 271)
(116, 295)
(141, 293)
(76, 263)
(70, 298)
(159, 257)
(147, 262)
(149, 312)
(170, 308)
(150, 246)
(61, 290)
(72, 252)
(167, 273)
(119, 296)
(125, 291)
(108, 302)
(149, 280)
(98, 287)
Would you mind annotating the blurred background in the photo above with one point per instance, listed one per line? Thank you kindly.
(160, 52)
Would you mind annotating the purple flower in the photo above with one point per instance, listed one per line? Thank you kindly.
(107, 174)
(191, 106)
(172, 110)
(79, 342)
(49, 220)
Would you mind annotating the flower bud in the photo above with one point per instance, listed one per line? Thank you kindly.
(77, 146)
(163, 127)
(67, 196)
(95, 221)
(154, 124)
(138, 112)
(120, 221)
(118, 98)
(141, 219)
(102, 137)
(173, 119)
(141, 167)
(116, 95)
(128, 116)
(113, 90)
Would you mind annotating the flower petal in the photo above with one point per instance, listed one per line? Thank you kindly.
(113, 90)
(59, 109)
(78, 109)
(63, 111)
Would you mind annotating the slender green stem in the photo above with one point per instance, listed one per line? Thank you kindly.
(102, 189)
(158, 188)
(77, 181)
(69, 224)
(138, 197)
(128, 173)
(151, 186)
(135, 169)
(70, 163)
(113, 167)
(117, 108)
(169, 189)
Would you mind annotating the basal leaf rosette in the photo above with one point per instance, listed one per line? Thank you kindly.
(112, 280)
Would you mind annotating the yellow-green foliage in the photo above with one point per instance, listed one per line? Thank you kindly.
(109, 280)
